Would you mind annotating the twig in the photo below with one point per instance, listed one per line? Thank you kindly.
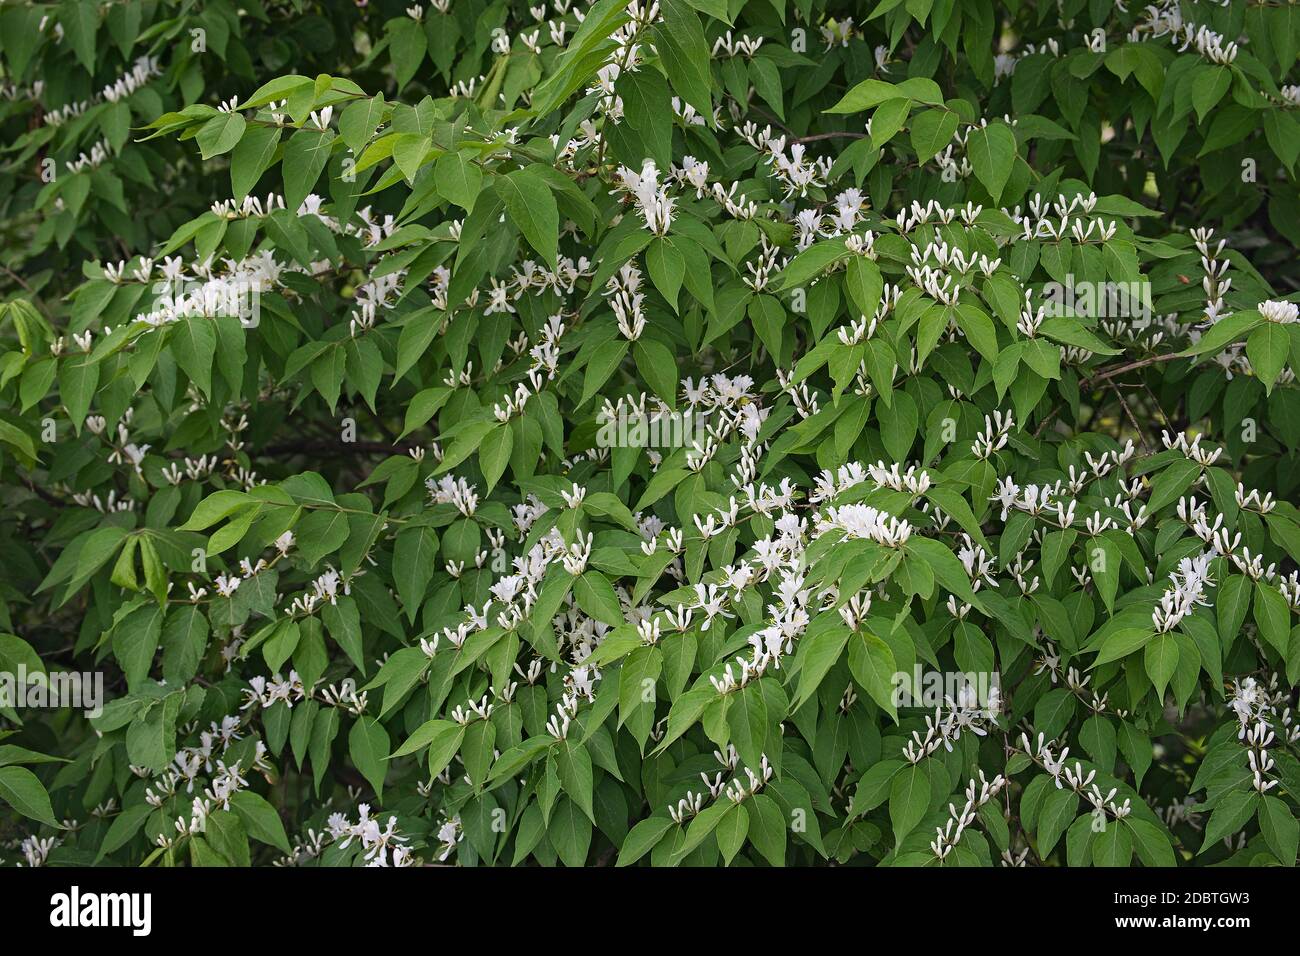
(1108, 373)
(43, 494)
(1046, 419)
(1132, 420)
(1165, 419)
(770, 118)
(843, 134)
(339, 447)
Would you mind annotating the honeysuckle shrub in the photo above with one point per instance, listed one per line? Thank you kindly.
(685, 433)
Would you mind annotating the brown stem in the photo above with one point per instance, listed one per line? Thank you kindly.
(1132, 420)
(1107, 373)
(1046, 420)
(337, 447)
(844, 134)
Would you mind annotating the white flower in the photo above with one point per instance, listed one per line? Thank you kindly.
(652, 199)
(1276, 311)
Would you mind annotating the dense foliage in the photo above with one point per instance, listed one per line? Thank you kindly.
(683, 432)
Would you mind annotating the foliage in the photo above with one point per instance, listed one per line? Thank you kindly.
(338, 348)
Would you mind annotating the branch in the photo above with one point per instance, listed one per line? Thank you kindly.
(845, 134)
(1107, 373)
(1132, 420)
(338, 448)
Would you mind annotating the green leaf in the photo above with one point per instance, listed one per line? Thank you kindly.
(459, 178)
(1121, 643)
(909, 798)
(531, 207)
(409, 151)
(21, 790)
(357, 123)
(595, 595)
(1273, 615)
(494, 453)
(641, 669)
(582, 57)
(667, 268)
(647, 109)
(811, 263)
(874, 787)
(280, 645)
(768, 829)
(151, 737)
(409, 44)
(260, 819)
(1172, 483)
(871, 93)
(570, 833)
(135, 641)
(368, 745)
(1055, 816)
(1231, 814)
(864, 283)
(872, 664)
(78, 379)
(643, 838)
(423, 407)
(932, 131)
(1268, 348)
(817, 653)
(443, 746)
(1224, 332)
(1280, 829)
(1231, 606)
(220, 134)
(573, 763)
(978, 329)
(684, 52)
(992, 152)
(888, 119)
(251, 158)
(305, 157)
(1161, 659)
(1208, 87)
(655, 362)
(747, 720)
(79, 20)
(603, 363)
(1113, 846)
(413, 566)
(1150, 842)
(124, 827)
(731, 832)
(195, 342)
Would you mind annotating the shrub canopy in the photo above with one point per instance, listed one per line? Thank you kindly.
(680, 432)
